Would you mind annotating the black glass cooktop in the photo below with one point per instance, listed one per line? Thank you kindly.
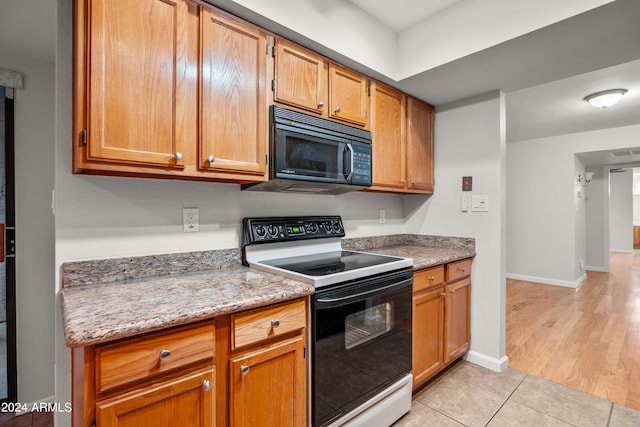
(329, 262)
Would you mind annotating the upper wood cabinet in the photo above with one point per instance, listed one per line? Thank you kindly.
(233, 96)
(388, 124)
(348, 96)
(307, 81)
(300, 78)
(136, 79)
(402, 131)
(420, 118)
(168, 89)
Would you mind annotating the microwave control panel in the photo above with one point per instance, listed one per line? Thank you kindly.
(361, 164)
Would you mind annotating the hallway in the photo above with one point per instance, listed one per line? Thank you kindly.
(587, 339)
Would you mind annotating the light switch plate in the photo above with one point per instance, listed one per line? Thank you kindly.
(464, 203)
(480, 203)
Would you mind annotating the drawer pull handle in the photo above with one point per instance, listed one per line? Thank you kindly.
(165, 354)
(275, 323)
(432, 278)
(244, 369)
(206, 385)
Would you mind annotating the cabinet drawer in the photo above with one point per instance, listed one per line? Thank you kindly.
(138, 358)
(263, 323)
(458, 270)
(424, 279)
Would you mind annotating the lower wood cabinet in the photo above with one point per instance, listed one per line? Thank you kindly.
(186, 401)
(441, 320)
(244, 369)
(267, 366)
(267, 385)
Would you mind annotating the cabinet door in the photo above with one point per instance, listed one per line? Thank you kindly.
(389, 139)
(186, 401)
(428, 314)
(348, 96)
(233, 96)
(419, 146)
(268, 386)
(139, 84)
(300, 78)
(457, 335)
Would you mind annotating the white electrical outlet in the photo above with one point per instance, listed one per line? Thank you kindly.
(382, 216)
(190, 220)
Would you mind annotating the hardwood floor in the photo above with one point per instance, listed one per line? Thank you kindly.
(587, 339)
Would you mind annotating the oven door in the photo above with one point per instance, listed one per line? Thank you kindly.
(304, 154)
(362, 341)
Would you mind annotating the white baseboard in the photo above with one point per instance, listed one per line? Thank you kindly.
(594, 268)
(545, 281)
(496, 365)
(624, 251)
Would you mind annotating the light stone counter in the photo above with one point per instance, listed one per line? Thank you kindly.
(105, 300)
(99, 313)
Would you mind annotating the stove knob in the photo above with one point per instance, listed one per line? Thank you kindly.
(260, 231)
(327, 227)
(272, 230)
(335, 225)
(313, 228)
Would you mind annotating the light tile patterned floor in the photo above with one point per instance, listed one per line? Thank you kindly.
(469, 395)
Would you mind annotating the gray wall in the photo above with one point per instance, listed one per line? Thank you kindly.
(621, 211)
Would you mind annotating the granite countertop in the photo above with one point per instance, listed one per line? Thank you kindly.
(104, 312)
(425, 257)
(426, 251)
(106, 300)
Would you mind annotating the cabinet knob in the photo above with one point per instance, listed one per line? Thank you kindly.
(404, 182)
(337, 110)
(206, 385)
(275, 323)
(244, 369)
(178, 156)
(320, 104)
(432, 278)
(453, 291)
(462, 270)
(211, 159)
(444, 294)
(413, 183)
(165, 354)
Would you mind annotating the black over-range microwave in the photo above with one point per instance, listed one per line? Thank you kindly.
(312, 155)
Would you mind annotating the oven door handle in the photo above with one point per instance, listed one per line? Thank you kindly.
(329, 302)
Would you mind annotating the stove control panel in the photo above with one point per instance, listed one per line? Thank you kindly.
(287, 229)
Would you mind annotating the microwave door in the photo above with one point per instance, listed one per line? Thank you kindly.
(307, 156)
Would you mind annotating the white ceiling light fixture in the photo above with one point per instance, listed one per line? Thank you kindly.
(606, 98)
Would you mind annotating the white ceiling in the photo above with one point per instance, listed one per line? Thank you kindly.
(545, 74)
(403, 13)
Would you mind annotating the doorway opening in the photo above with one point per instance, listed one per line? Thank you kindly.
(8, 362)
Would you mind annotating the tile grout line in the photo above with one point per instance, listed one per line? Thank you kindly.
(507, 399)
(610, 414)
